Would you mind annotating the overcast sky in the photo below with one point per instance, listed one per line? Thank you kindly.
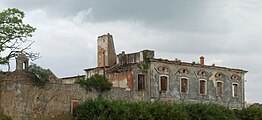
(226, 32)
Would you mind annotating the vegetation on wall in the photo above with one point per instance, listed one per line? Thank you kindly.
(97, 82)
(40, 75)
(145, 64)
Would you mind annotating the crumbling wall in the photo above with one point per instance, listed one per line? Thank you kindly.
(136, 57)
(122, 79)
(22, 101)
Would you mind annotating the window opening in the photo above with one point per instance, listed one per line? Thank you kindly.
(163, 83)
(141, 82)
(235, 89)
(219, 88)
(202, 87)
(184, 85)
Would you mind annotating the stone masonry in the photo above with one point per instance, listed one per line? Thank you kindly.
(21, 100)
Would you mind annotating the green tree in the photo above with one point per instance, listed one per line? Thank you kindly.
(40, 75)
(13, 35)
(97, 82)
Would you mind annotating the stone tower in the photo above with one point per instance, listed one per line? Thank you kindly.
(106, 55)
(21, 62)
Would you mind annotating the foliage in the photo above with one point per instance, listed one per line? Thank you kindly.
(252, 113)
(168, 111)
(123, 110)
(145, 64)
(141, 110)
(4, 117)
(97, 82)
(40, 75)
(14, 34)
(209, 112)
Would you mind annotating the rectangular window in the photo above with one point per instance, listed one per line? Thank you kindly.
(219, 88)
(184, 85)
(235, 89)
(163, 83)
(202, 87)
(141, 82)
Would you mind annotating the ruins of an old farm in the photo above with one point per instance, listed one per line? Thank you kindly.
(135, 76)
(150, 78)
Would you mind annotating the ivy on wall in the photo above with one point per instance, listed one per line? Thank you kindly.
(145, 64)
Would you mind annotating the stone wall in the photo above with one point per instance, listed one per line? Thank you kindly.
(22, 101)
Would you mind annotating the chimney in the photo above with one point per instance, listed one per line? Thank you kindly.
(202, 60)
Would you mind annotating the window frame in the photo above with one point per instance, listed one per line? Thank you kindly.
(187, 89)
(233, 90)
(167, 84)
(221, 86)
(72, 108)
(205, 93)
(143, 83)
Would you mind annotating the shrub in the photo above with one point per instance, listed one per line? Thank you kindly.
(102, 109)
(4, 117)
(168, 111)
(252, 113)
(97, 82)
(122, 110)
(40, 75)
(201, 111)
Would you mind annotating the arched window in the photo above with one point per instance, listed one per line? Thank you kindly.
(184, 71)
(184, 85)
(203, 74)
(202, 87)
(163, 83)
(220, 75)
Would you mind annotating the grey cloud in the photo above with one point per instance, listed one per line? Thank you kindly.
(168, 14)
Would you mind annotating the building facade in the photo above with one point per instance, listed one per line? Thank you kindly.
(149, 78)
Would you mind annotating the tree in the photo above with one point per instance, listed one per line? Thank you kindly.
(97, 82)
(40, 75)
(13, 35)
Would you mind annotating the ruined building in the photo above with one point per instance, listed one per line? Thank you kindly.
(150, 78)
(135, 76)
